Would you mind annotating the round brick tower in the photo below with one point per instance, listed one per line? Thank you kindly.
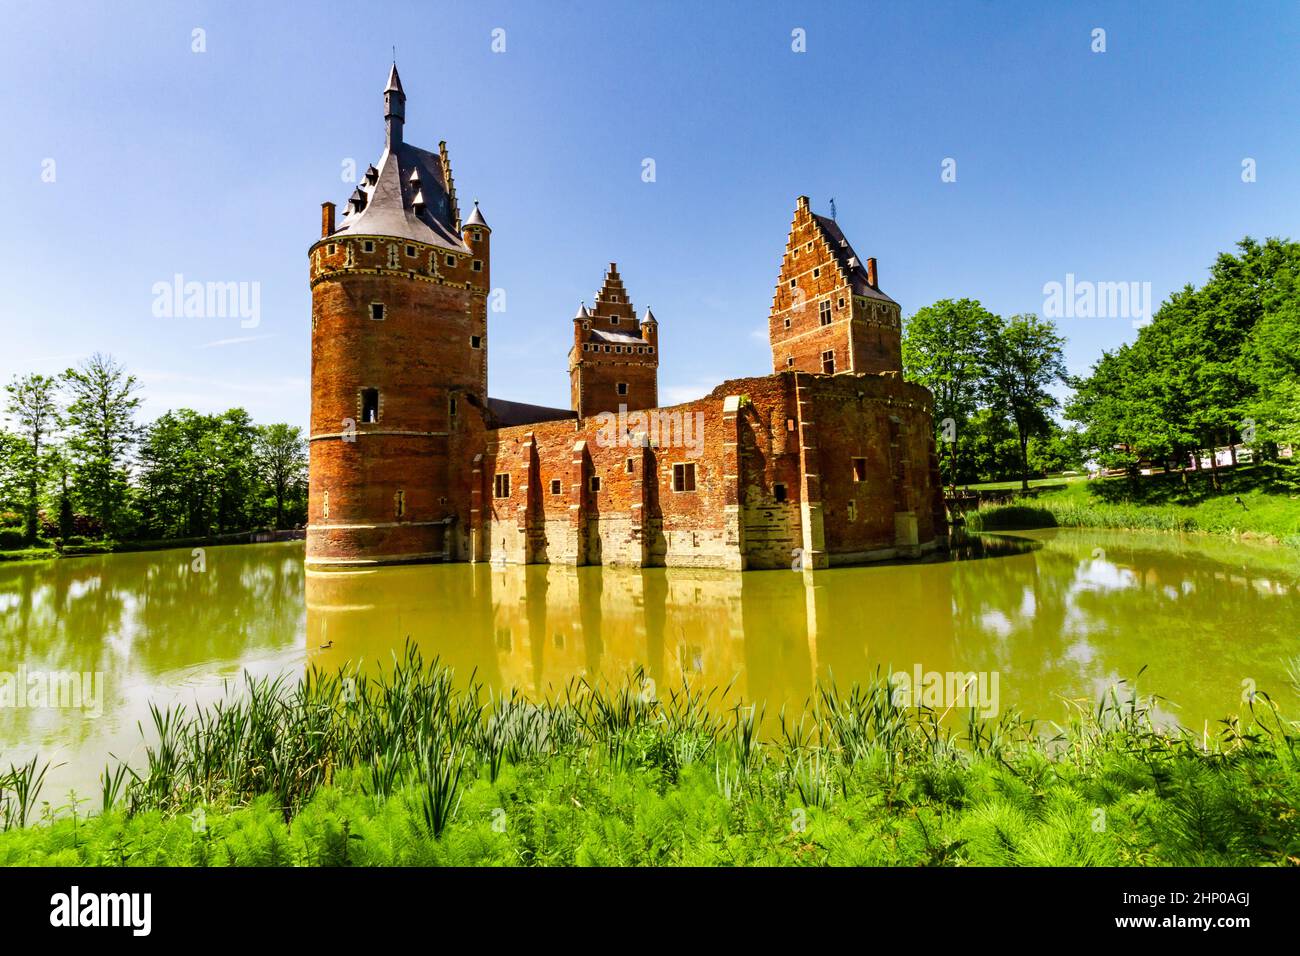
(399, 360)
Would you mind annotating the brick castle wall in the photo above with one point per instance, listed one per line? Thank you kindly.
(783, 462)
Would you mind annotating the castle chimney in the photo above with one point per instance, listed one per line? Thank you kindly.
(326, 219)
(871, 273)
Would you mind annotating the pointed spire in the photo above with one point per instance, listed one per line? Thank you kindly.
(476, 218)
(394, 81)
(394, 108)
(648, 316)
(582, 312)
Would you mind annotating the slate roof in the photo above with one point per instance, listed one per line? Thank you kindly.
(403, 173)
(615, 338)
(849, 260)
(521, 413)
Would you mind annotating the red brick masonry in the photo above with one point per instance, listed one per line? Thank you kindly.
(409, 464)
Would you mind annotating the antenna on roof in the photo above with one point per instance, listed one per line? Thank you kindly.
(832, 207)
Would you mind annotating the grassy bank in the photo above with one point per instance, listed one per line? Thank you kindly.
(405, 769)
(47, 551)
(1261, 501)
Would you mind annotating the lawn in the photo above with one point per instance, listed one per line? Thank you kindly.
(1255, 501)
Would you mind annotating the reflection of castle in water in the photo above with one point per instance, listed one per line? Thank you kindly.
(770, 635)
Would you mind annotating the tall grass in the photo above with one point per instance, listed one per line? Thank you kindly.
(1258, 502)
(390, 767)
(1067, 514)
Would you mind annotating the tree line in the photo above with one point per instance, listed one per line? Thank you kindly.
(1217, 365)
(75, 464)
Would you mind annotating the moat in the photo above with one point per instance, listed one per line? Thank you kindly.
(1055, 615)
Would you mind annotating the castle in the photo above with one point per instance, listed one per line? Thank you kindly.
(830, 459)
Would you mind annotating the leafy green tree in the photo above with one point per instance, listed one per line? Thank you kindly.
(13, 485)
(33, 407)
(61, 472)
(945, 349)
(197, 474)
(280, 457)
(1053, 451)
(101, 429)
(1215, 364)
(1026, 357)
(988, 447)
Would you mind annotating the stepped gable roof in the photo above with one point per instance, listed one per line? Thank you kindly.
(848, 259)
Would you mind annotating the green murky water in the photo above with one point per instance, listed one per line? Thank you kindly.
(1047, 616)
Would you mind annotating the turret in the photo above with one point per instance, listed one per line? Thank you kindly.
(614, 361)
(394, 108)
(399, 361)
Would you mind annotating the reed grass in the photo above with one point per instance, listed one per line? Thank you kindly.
(404, 766)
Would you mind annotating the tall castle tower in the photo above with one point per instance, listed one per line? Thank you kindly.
(615, 357)
(828, 313)
(399, 359)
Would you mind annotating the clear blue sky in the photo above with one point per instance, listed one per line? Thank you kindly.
(1115, 166)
